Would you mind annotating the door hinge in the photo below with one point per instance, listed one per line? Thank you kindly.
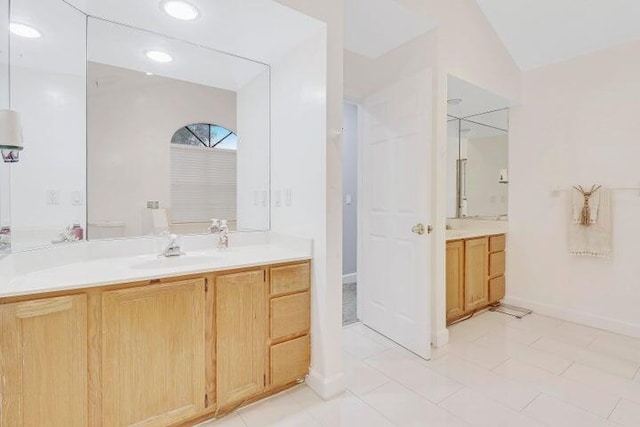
(206, 400)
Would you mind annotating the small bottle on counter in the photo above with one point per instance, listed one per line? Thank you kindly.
(78, 231)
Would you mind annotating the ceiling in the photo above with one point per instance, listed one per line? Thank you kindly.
(475, 100)
(542, 32)
(262, 30)
(375, 27)
(125, 47)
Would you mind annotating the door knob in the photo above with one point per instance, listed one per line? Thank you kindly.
(421, 229)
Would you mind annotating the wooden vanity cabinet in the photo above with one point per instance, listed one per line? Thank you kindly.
(153, 358)
(240, 339)
(475, 278)
(166, 352)
(43, 362)
(289, 323)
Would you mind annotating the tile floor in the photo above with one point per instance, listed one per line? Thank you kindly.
(349, 302)
(496, 371)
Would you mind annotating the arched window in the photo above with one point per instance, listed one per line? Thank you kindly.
(203, 174)
(206, 135)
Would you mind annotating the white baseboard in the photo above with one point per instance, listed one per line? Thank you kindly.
(440, 338)
(593, 320)
(326, 388)
(350, 278)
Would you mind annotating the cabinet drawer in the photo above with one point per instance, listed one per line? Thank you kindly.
(496, 264)
(496, 289)
(289, 315)
(289, 360)
(290, 278)
(497, 243)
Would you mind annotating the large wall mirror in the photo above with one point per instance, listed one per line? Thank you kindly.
(177, 134)
(477, 152)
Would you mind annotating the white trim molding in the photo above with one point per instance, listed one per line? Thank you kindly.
(584, 318)
(326, 388)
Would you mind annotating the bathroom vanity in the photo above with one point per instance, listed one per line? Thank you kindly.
(177, 342)
(475, 272)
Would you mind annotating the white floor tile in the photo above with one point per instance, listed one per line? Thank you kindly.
(553, 412)
(361, 377)
(587, 398)
(536, 323)
(525, 353)
(231, 420)
(609, 383)
(486, 356)
(478, 410)
(406, 409)
(281, 410)
(403, 368)
(511, 334)
(345, 410)
(617, 346)
(574, 334)
(474, 328)
(627, 413)
(604, 362)
(360, 345)
(490, 384)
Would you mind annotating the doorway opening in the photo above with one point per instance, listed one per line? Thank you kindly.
(350, 215)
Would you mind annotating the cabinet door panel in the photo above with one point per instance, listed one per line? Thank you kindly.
(455, 280)
(290, 278)
(289, 360)
(43, 363)
(476, 283)
(289, 315)
(241, 335)
(153, 354)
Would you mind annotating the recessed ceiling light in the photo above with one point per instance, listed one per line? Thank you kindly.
(149, 74)
(455, 101)
(159, 56)
(24, 30)
(180, 10)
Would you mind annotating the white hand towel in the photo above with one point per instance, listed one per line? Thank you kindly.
(594, 240)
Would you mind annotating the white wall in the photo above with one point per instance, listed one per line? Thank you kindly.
(129, 133)
(253, 120)
(350, 189)
(327, 377)
(485, 157)
(578, 125)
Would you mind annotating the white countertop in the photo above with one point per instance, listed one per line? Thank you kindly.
(470, 228)
(84, 270)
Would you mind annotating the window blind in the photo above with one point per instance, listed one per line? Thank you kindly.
(203, 184)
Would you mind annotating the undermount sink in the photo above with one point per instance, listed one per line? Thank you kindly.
(174, 262)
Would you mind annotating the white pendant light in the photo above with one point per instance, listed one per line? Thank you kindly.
(10, 135)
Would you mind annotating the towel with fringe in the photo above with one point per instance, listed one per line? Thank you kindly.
(595, 239)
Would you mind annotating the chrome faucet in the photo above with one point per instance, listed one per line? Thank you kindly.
(173, 248)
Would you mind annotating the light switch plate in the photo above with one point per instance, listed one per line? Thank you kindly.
(277, 198)
(348, 199)
(287, 197)
(53, 197)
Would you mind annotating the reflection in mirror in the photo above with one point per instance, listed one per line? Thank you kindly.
(172, 145)
(477, 152)
(5, 183)
(48, 83)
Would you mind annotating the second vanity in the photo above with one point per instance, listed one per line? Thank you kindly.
(141, 340)
(475, 268)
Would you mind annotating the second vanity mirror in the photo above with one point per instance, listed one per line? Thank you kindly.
(478, 147)
(177, 134)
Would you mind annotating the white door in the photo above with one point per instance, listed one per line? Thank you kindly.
(394, 271)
